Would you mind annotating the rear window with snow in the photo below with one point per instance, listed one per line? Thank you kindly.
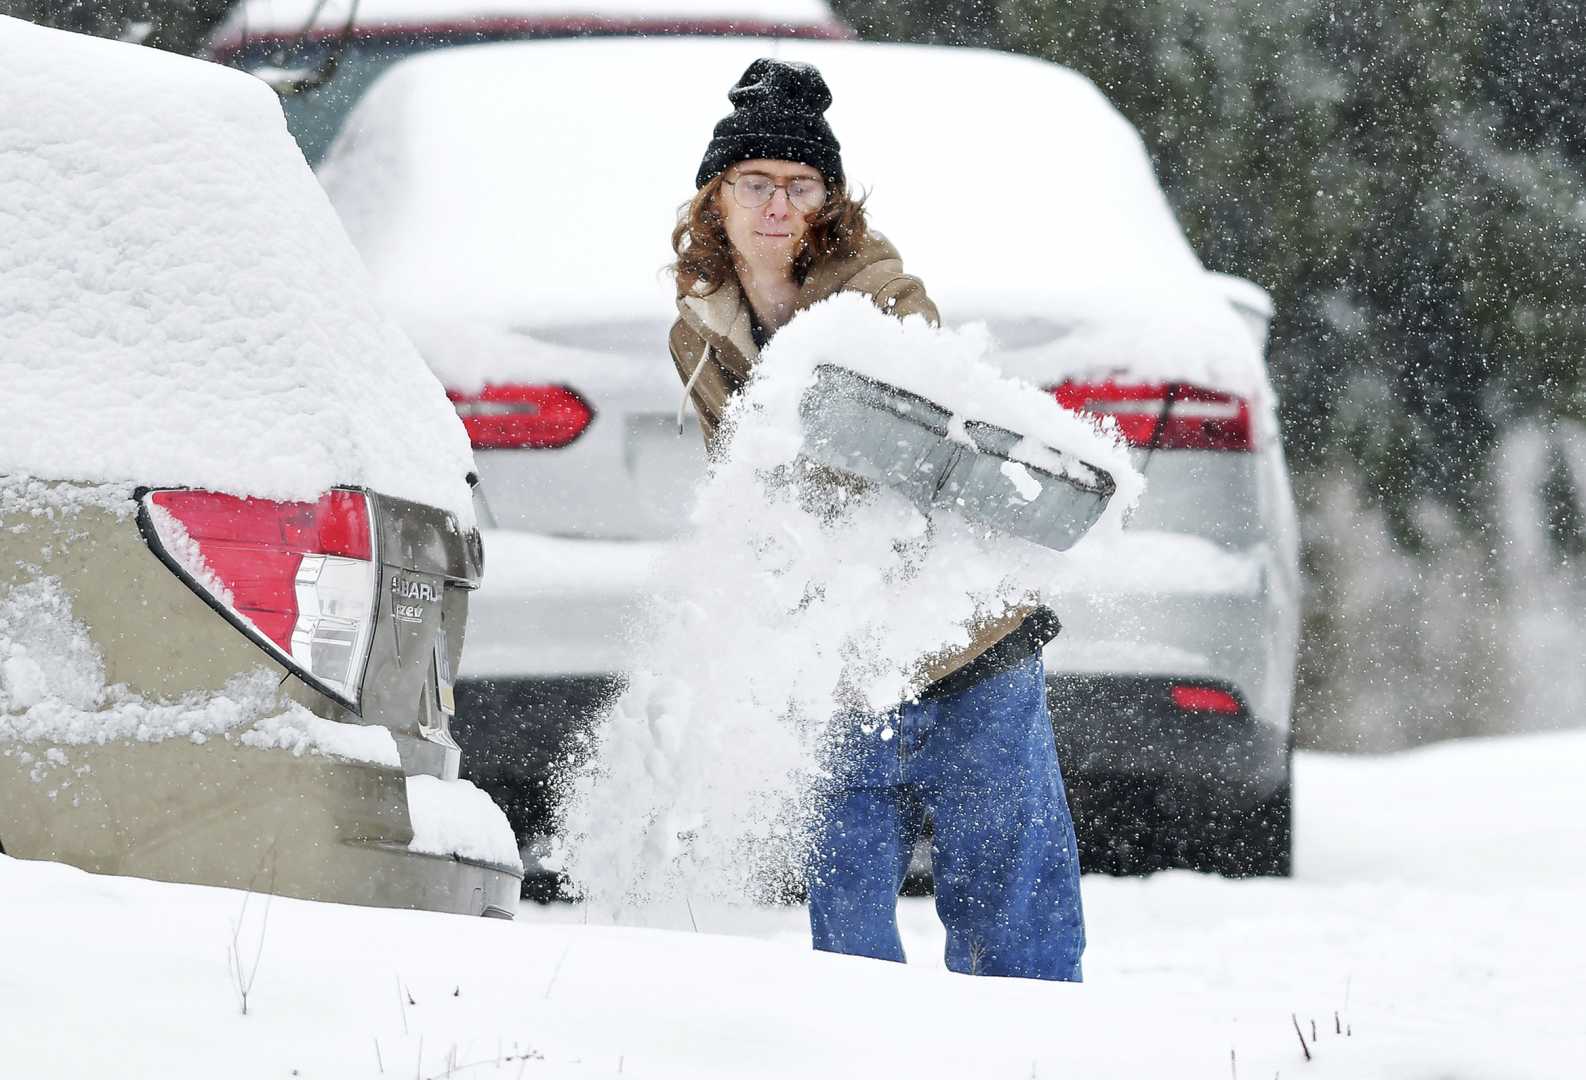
(286, 40)
(1202, 492)
(182, 306)
(253, 17)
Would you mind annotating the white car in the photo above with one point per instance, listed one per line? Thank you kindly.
(237, 539)
(514, 204)
(323, 54)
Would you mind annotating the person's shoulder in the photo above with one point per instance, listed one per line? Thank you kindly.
(872, 267)
(877, 248)
(880, 275)
(904, 295)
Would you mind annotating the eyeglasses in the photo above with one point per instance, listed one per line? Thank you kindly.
(753, 190)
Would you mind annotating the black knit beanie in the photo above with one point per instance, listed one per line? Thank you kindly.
(777, 113)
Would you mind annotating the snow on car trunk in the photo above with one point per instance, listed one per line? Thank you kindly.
(180, 305)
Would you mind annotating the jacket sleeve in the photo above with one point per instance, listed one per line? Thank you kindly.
(895, 292)
(905, 295)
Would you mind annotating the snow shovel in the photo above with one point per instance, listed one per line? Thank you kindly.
(900, 439)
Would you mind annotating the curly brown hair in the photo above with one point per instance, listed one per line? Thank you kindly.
(704, 254)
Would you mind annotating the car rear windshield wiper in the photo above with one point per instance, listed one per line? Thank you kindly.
(1173, 392)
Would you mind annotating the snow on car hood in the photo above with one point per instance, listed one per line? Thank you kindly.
(178, 304)
(477, 196)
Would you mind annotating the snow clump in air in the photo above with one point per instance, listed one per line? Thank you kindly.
(781, 611)
(181, 305)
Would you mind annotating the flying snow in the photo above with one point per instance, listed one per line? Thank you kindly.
(794, 600)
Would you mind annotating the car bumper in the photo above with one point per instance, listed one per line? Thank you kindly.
(1110, 726)
(519, 735)
(216, 813)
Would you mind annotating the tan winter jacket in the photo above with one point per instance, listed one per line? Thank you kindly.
(714, 351)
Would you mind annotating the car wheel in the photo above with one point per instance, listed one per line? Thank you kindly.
(1118, 825)
(1257, 841)
(1130, 826)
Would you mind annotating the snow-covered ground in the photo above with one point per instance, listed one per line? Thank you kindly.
(1434, 920)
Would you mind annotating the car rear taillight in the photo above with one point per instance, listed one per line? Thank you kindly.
(513, 416)
(297, 577)
(1169, 416)
(1192, 698)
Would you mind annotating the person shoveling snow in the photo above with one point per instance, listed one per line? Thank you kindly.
(843, 661)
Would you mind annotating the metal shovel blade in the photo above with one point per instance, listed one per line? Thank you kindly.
(900, 439)
(877, 431)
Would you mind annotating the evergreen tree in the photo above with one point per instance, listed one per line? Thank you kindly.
(1404, 177)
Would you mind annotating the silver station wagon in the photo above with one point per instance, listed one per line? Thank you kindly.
(542, 305)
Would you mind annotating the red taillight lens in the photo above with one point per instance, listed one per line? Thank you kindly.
(1197, 419)
(1205, 699)
(299, 575)
(518, 417)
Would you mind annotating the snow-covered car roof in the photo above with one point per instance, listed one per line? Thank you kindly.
(178, 303)
(536, 183)
(278, 18)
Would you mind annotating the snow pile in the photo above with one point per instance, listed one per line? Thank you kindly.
(45, 654)
(453, 209)
(452, 817)
(180, 304)
(1485, 815)
(252, 700)
(52, 690)
(787, 609)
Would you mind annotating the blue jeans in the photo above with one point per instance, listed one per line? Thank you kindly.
(983, 766)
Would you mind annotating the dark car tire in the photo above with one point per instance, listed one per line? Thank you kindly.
(1129, 826)
(1258, 841)
(1121, 826)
